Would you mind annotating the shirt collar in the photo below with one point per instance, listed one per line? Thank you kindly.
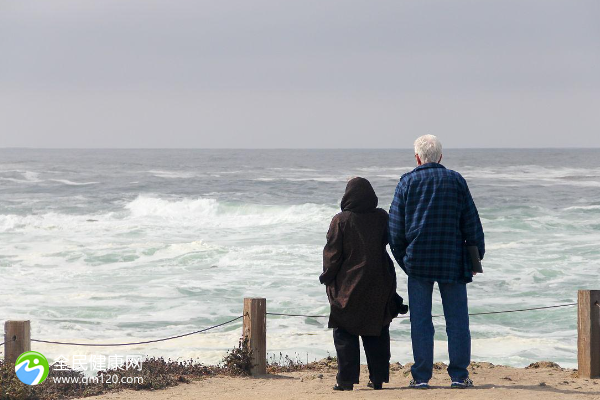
(429, 165)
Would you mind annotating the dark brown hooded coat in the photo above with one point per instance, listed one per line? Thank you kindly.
(358, 272)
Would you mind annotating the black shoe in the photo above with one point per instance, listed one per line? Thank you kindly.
(375, 386)
(343, 387)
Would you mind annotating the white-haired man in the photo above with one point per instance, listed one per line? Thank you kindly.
(432, 221)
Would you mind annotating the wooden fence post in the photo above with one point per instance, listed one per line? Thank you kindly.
(255, 329)
(588, 333)
(17, 339)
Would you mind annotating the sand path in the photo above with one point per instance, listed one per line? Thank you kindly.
(492, 382)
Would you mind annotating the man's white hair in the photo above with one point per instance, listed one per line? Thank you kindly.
(428, 148)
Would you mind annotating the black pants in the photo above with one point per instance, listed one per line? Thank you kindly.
(377, 349)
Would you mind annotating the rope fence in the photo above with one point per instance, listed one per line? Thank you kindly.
(268, 313)
(17, 338)
(439, 315)
(138, 343)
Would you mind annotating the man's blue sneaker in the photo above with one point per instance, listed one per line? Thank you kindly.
(418, 385)
(467, 383)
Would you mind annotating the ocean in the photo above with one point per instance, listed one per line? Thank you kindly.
(128, 245)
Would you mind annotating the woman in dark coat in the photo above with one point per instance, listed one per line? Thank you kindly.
(361, 285)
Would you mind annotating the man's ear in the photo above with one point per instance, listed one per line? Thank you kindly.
(441, 155)
(418, 159)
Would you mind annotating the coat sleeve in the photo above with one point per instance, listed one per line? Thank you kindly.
(333, 254)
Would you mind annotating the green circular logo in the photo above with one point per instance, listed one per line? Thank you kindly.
(32, 368)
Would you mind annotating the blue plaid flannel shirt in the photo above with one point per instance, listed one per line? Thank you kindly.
(432, 220)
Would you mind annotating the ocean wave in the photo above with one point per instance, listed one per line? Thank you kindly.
(46, 222)
(144, 206)
(172, 174)
(27, 176)
(583, 208)
(544, 176)
(71, 183)
(197, 213)
(14, 180)
(293, 169)
(314, 179)
(389, 176)
(211, 212)
(30, 177)
(384, 169)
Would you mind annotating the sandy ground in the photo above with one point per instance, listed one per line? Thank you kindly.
(491, 382)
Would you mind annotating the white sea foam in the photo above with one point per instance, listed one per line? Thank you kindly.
(27, 177)
(31, 176)
(172, 174)
(293, 169)
(315, 179)
(528, 174)
(213, 213)
(144, 206)
(390, 176)
(575, 208)
(71, 183)
(385, 169)
(200, 212)
(13, 180)
(45, 222)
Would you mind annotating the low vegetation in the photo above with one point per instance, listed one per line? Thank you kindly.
(156, 373)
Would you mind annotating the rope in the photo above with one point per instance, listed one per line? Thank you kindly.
(524, 309)
(274, 314)
(440, 315)
(137, 343)
(298, 315)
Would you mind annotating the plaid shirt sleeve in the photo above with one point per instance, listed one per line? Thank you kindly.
(397, 235)
(470, 224)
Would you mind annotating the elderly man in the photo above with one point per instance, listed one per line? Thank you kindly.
(432, 221)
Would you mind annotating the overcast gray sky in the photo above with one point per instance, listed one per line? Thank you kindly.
(299, 73)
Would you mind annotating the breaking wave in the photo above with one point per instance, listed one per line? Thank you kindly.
(217, 213)
(185, 212)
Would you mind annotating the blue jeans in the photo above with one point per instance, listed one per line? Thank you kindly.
(456, 312)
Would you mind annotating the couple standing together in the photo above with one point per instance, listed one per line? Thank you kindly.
(431, 222)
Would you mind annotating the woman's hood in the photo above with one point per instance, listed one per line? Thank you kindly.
(359, 196)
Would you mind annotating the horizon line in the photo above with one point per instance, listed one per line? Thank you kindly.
(293, 148)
